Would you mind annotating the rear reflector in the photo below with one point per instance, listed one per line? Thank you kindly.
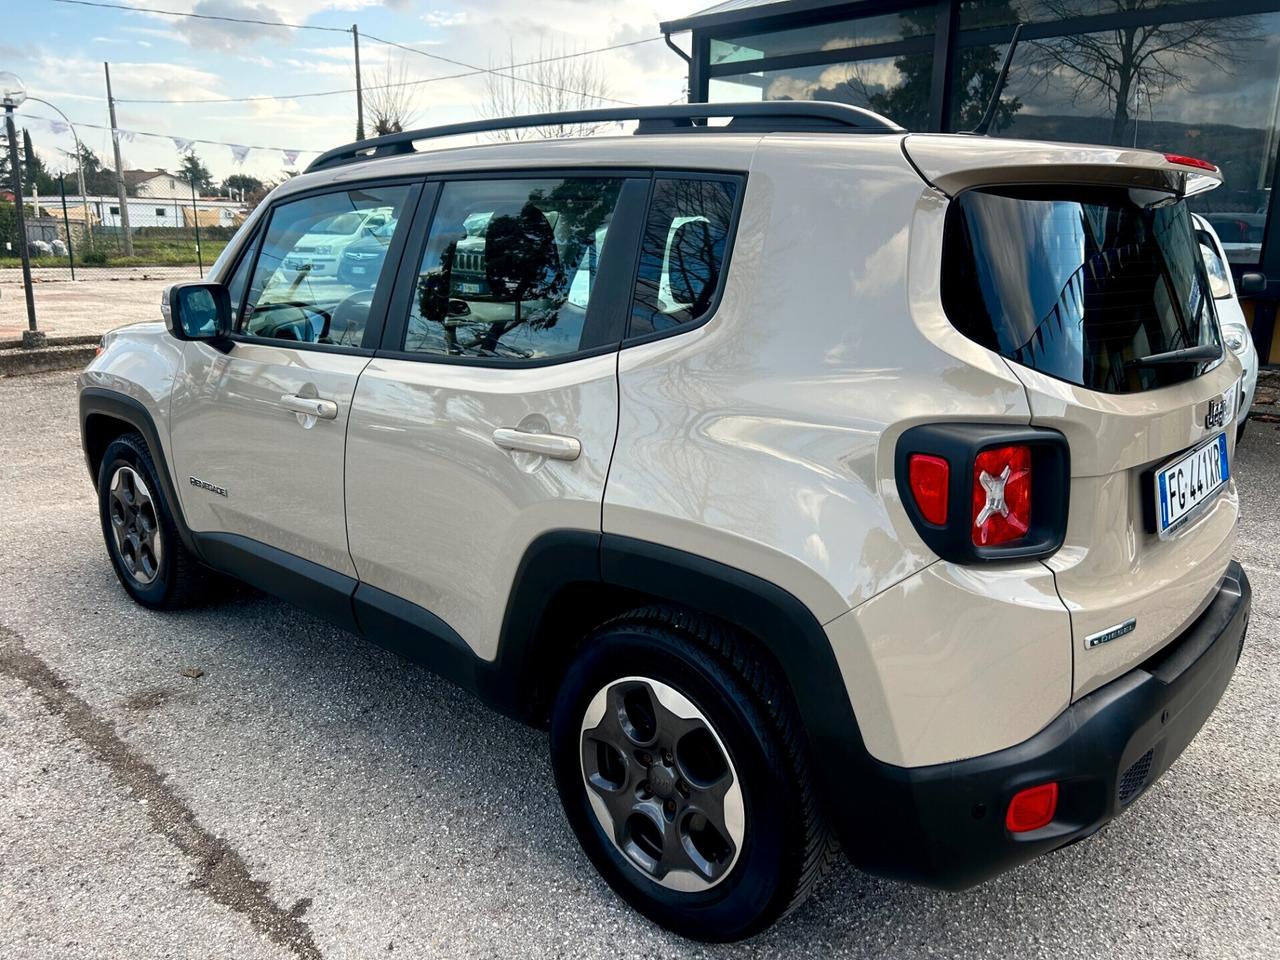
(928, 476)
(1190, 162)
(1032, 808)
(1001, 495)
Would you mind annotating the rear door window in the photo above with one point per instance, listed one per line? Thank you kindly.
(1087, 285)
(683, 255)
(509, 268)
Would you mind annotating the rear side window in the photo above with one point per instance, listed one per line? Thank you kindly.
(686, 235)
(509, 267)
(1086, 285)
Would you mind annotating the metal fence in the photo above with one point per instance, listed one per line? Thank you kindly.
(72, 238)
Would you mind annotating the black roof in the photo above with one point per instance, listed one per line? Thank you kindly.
(737, 12)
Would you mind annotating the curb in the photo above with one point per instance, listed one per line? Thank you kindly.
(58, 356)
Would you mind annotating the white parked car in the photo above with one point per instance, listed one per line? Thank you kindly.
(817, 485)
(1235, 330)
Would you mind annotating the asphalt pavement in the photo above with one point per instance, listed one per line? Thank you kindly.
(244, 781)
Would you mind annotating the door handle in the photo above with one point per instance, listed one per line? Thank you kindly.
(550, 445)
(310, 406)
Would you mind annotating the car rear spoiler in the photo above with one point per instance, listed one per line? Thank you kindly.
(953, 164)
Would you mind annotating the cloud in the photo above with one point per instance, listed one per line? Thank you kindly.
(445, 18)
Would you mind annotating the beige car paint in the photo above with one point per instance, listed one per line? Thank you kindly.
(438, 512)
(763, 439)
(956, 661)
(282, 471)
(1110, 569)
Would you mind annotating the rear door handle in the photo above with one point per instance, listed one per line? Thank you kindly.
(551, 445)
(310, 406)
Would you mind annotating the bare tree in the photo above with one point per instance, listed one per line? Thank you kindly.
(389, 100)
(1112, 66)
(555, 82)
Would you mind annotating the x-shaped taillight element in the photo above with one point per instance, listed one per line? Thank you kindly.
(994, 487)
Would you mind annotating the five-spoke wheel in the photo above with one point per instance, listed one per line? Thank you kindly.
(682, 767)
(661, 783)
(135, 525)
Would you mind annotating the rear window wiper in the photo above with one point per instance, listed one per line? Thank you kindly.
(1201, 354)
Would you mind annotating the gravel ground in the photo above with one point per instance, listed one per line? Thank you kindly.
(308, 795)
(105, 299)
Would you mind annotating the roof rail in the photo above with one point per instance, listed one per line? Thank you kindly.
(754, 117)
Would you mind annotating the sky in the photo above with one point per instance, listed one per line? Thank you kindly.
(57, 50)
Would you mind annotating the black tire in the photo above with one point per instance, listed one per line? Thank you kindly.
(174, 578)
(1244, 422)
(785, 845)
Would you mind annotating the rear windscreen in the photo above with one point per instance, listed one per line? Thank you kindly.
(1086, 285)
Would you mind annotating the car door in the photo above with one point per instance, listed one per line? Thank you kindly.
(259, 422)
(489, 417)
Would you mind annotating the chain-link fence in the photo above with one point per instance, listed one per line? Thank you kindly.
(171, 236)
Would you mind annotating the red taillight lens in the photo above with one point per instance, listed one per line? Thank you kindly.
(928, 476)
(1032, 808)
(1190, 162)
(1001, 495)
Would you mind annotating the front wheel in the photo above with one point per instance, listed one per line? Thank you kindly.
(682, 769)
(148, 555)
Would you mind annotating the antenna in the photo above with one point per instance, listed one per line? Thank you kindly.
(985, 123)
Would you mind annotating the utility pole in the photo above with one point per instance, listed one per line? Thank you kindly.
(31, 337)
(355, 37)
(115, 145)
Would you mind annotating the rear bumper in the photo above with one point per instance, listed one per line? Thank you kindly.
(943, 825)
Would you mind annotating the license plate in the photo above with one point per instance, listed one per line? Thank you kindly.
(1190, 482)
(358, 270)
(468, 288)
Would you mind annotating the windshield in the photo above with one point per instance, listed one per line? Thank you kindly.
(1080, 284)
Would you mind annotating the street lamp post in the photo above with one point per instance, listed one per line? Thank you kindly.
(84, 199)
(12, 93)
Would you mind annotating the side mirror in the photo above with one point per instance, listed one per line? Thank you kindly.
(1252, 284)
(197, 310)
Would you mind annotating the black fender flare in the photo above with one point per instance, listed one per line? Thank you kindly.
(786, 628)
(101, 401)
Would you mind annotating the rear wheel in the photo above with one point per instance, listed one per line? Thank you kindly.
(681, 768)
(148, 555)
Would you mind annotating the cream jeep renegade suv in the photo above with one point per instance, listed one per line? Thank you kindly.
(817, 484)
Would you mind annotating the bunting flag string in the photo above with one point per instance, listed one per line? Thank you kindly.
(239, 152)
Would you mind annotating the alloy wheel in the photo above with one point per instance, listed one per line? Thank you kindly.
(661, 784)
(135, 526)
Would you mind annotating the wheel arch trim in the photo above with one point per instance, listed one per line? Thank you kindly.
(113, 405)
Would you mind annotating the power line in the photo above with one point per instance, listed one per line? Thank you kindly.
(171, 136)
(497, 71)
(475, 71)
(201, 16)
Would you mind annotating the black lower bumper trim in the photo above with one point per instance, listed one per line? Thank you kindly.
(943, 825)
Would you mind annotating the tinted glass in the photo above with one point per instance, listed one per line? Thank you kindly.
(846, 34)
(509, 267)
(320, 265)
(239, 280)
(686, 234)
(897, 87)
(1080, 285)
(1203, 88)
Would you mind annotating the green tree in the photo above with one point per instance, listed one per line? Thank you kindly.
(195, 172)
(242, 181)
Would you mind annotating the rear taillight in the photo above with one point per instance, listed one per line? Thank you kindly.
(979, 492)
(1196, 162)
(929, 477)
(1001, 495)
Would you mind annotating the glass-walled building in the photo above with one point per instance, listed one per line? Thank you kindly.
(1195, 78)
